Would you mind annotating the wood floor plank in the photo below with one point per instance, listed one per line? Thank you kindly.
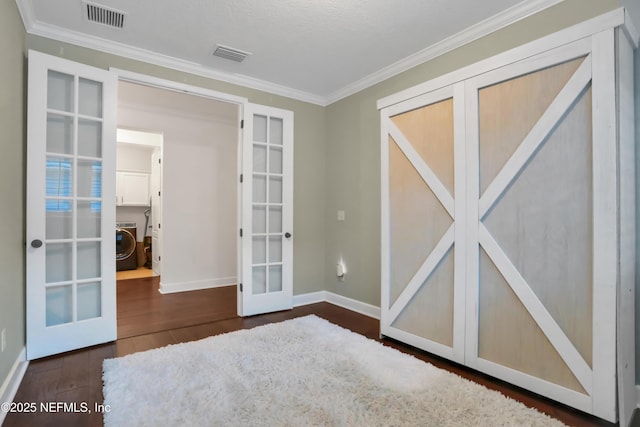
(96, 356)
(74, 414)
(151, 341)
(77, 376)
(198, 332)
(75, 371)
(38, 386)
(143, 310)
(125, 346)
(41, 365)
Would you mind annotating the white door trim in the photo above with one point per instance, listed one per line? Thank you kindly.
(605, 228)
(160, 83)
(626, 353)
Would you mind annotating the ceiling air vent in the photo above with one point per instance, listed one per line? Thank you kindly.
(230, 53)
(104, 15)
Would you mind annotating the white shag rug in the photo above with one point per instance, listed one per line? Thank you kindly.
(301, 372)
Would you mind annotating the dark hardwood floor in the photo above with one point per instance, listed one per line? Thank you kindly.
(143, 310)
(76, 377)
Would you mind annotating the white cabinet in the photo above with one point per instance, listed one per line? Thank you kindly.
(508, 219)
(132, 189)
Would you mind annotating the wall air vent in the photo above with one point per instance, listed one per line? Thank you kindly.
(230, 53)
(103, 15)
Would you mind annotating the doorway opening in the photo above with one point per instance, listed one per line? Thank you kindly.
(138, 209)
(186, 210)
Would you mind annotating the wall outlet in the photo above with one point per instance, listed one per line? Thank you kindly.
(3, 340)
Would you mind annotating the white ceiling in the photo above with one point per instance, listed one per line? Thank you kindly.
(313, 50)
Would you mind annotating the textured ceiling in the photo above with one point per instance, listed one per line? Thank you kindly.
(316, 49)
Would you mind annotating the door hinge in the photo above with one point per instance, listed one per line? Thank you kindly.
(240, 287)
(159, 161)
(158, 194)
(241, 124)
(159, 226)
(241, 178)
(241, 232)
(159, 257)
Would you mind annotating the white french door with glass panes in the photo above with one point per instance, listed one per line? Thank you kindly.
(70, 206)
(267, 211)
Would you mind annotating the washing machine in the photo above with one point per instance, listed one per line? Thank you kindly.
(126, 254)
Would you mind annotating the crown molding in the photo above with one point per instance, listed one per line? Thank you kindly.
(630, 26)
(120, 49)
(488, 26)
(612, 19)
(501, 20)
(25, 7)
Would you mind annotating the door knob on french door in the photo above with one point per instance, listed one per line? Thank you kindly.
(36, 243)
(287, 235)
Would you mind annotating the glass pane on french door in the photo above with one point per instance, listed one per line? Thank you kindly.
(267, 205)
(73, 199)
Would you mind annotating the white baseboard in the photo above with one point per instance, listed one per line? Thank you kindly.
(310, 298)
(354, 305)
(169, 288)
(339, 300)
(12, 382)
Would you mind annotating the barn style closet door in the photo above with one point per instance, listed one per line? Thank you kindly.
(423, 301)
(504, 194)
(539, 186)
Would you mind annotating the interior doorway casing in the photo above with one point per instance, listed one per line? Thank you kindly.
(149, 81)
(138, 179)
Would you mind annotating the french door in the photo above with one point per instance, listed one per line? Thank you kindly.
(499, 223)
(267, 211)
(71, 299)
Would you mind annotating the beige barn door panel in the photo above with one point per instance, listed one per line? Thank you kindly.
(533, 191)
(420, 186)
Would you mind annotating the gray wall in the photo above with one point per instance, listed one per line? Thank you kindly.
(12, 200)
(309, 163)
